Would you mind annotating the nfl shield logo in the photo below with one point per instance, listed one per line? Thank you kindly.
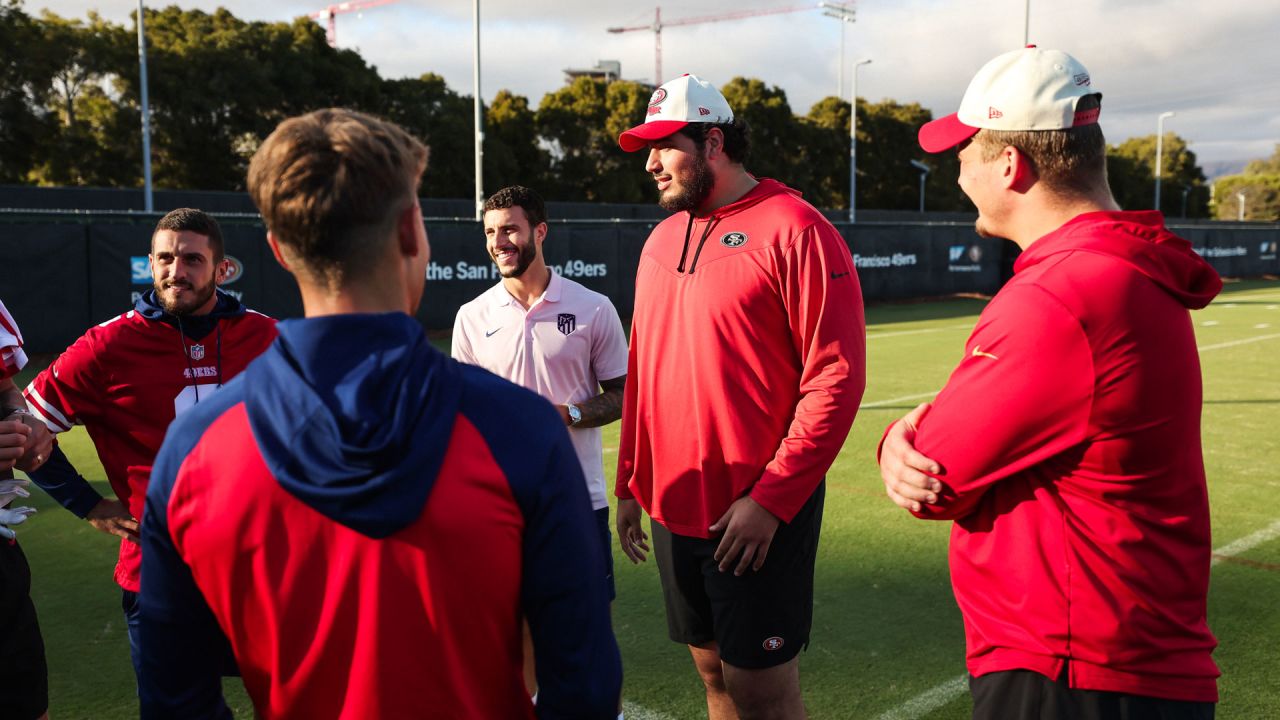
(196, 352)
(566, 322)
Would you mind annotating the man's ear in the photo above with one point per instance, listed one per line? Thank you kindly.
(714, 143)
(1020, 172)
(407, 232)
(540, 232)
(275, 250)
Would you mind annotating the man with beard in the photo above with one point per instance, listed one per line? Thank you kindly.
(1066, 444)
(127, 378)
(747, 364)
(551, 335)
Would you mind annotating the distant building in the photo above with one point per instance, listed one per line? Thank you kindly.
(606, 70)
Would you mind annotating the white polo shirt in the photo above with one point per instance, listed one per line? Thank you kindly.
(561, 348)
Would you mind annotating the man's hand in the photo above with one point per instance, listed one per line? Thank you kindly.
(113, 518)
(39, 444)
(748, 529)
(631, 536)
(14, 436)
(903, 469)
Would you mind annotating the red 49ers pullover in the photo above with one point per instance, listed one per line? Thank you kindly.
(747, 360)
(1069, 437)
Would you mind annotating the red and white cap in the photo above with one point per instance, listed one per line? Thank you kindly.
(1027, 89)
(687, 99)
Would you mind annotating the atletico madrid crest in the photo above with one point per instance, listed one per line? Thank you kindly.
(196, 352)
(566, 322)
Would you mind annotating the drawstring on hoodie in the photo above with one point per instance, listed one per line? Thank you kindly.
(186, 353)
(688, 233)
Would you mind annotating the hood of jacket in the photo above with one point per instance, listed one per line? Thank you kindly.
(353, 416)
(196, 327)
(765, 188)
(1140, 240)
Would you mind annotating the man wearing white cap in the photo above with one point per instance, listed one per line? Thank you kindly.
(1066, 444)
(746, 367)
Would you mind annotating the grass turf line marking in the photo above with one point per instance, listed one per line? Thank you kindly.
(936, 697)
(896, 333)
(633, 711)
(929, 700)
(1246, 543)
(1234, 343)
(894, 401)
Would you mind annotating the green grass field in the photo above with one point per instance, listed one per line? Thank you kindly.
(887, 639)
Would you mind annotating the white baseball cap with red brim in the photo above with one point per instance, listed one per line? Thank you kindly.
(1027, 89)
(687, 99)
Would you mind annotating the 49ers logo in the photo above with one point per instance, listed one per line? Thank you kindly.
(774, 643)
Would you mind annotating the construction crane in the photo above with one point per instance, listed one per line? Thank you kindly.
(330, 15)
(658, 24)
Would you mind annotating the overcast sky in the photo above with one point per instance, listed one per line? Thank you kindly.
(1215, 64)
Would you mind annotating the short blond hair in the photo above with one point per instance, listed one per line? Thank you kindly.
(1070, 162)
(330, 185)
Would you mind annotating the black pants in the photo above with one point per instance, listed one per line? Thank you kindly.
(1027, 695)
(24, 676)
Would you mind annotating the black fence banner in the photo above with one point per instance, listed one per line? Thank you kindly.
(59, 276)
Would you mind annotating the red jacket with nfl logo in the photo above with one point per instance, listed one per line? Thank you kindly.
(747, 360)
(1069, 437)
(125, 380)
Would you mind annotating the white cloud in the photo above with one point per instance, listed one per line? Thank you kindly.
(1215, 64)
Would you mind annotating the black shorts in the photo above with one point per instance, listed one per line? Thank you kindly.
(606, 546)
(1027, 695)
(760, 619)
(24, 675)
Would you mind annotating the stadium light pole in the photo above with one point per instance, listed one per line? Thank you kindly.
(148, 200)
(845, 13)
(479, 119)
(1026, 23)
(853, 142)
(1160, 151)
(924, 173)
(1185, 191)
(1240, 197)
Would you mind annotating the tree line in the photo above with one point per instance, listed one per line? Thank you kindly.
(70, 115)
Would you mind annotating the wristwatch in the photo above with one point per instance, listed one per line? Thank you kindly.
(575, 415)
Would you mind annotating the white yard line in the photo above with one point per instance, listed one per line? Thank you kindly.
(1246, 543)
(896, 333)
(894, 401)
(1234, 343)
(936, 697)
(632, 711)
(929, 700)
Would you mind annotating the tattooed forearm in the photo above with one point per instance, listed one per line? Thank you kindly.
(605, 407)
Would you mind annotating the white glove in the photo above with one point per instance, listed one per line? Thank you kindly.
(10, 489)
(13, 516)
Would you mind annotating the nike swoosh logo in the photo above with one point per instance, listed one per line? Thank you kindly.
(837, 276)
(977, 352)
(491, 332)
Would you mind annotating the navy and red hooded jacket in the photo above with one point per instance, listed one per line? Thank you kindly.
(1069, 437)
(366, 522)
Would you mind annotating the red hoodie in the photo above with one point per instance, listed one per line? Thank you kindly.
(1069, 437)
(747, 360)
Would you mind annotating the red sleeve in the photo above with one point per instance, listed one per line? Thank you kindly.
(12, 358)
(68, 390)
(823, 301)
(627, 435)
(1021, 395)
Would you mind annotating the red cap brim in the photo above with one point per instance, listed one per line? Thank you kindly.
(944, 134)
(639, 136)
